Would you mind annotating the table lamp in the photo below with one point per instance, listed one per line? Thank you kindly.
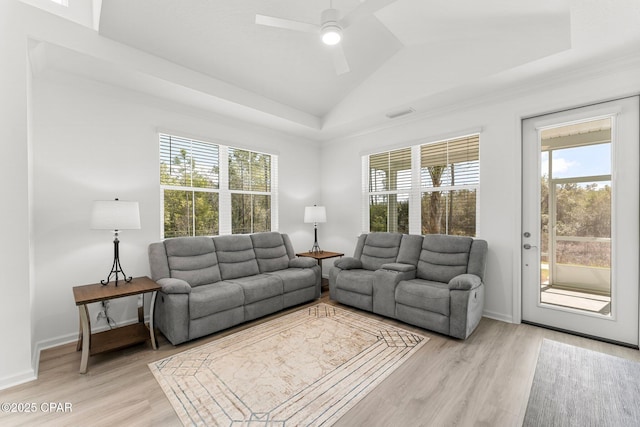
(115, 215)
(315, 214)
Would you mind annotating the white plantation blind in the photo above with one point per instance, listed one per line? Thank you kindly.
(209, 189)
(188, 163)
(449, 180)
(423, 188)
(390, 171)
(454, 162)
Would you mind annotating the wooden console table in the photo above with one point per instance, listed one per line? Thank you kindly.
(120, 337)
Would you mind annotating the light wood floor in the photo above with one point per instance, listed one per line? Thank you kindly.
(482, 381)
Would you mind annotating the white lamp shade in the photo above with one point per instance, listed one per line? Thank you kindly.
(115, 215)
(315, 214)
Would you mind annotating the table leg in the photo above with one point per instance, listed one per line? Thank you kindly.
(141, 309)
(86, 337)
(152, 332)
(79, 344)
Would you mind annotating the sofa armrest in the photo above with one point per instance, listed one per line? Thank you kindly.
(399, 267)
(174, 286)
(302, 262)
(465, 282)
(386, 280)
(348, 263)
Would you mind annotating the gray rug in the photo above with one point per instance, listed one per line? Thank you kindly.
(577, 387)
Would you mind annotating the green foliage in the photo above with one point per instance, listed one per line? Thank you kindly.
(379, 215)
(581, 211)
(195, 212)
(250, 213)
(188, 212)
(449, 212)
(442, 212)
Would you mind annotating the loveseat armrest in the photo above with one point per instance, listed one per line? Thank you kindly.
(399, 267)
(302, 262)
(172, 285)
(465, 282)
(348, 263)
(386, 280)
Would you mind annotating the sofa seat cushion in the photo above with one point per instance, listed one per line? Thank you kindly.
(214, 298)
(259, 287)
(358, 281)
(294, 279)
(425, 295)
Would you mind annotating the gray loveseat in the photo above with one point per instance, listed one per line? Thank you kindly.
(212, 283)
(433, 281)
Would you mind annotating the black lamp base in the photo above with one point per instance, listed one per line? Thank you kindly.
(316, 247)
(116, 268)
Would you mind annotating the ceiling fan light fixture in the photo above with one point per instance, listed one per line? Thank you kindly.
(330, 29)
(331, 35)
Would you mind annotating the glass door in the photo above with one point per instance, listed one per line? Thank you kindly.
(580, 221)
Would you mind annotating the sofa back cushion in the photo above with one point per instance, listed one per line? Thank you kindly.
(236, 256)
(380, 248)
(192, 259)
(410, 248)
(270, 251)
(443, 257)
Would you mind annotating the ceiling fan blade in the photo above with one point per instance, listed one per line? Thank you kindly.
(366, 8)
(288, 24)
(339, 59)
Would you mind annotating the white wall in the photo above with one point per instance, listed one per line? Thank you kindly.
(15, 302)
(97, 142)
(91, 141)
(68, 141)
(500, 170)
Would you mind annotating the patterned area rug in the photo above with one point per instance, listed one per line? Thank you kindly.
(305, 368)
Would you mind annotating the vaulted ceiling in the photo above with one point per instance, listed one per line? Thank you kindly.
(400, 53)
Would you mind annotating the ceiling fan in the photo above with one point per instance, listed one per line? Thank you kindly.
(331, 27)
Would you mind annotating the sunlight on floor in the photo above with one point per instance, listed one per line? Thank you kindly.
(575, 299)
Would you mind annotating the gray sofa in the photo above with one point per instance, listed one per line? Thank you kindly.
(213, 283)
(433, 281)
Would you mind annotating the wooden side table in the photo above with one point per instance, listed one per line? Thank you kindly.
(120, 337)
(319, 256)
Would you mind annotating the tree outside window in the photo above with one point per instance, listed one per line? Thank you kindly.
(194, 201)
(445, 186)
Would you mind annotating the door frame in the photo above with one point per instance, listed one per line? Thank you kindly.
(518, 291)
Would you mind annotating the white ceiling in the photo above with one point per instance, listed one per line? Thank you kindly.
(401, 53)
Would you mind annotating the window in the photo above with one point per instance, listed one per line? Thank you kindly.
(250, 186)
(389, 186)
(210, 189)
(427, 189)
(449, 181)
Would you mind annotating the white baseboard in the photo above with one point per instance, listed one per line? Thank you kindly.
(62, 340)
(50, 343)
(497, 316)
(17, 379)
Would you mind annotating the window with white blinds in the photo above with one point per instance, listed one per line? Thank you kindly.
(449, 183)
(389, 185)
(250, 187)
(427, 189)
(210, 189)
